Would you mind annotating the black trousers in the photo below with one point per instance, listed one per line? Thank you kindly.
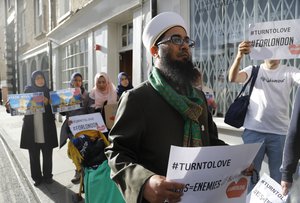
(35, 164)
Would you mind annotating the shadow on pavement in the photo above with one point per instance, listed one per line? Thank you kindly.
(59, 193)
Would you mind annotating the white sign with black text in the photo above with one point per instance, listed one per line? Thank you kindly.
(212, 174)
(275, 39)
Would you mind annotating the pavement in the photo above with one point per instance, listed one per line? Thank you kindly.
(62, 190)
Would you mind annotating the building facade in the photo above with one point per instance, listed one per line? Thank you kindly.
(90, 36)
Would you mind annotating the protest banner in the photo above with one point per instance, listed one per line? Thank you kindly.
(110, 111)
(266, 190)
(212, 174)
(65, 100)
(93, 121)
(275, 40)
(26, 104)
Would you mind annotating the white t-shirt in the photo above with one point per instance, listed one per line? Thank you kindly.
(268, 110)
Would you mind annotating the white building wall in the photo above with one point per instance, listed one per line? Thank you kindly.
(107, 35)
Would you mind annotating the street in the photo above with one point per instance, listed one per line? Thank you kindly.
(14, 187)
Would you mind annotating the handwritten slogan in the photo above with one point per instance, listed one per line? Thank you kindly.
(275, 40)
(266, 190)
(212, 174)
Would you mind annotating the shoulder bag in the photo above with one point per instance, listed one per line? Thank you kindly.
(235, 115)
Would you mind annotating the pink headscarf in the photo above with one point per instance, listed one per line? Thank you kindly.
(109, 95)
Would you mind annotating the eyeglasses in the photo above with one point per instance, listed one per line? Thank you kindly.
(176, 39)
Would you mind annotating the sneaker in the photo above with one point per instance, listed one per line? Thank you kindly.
(76, 178)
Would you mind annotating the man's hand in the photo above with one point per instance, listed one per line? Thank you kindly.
(248, 171)
(244, 48)
(285, 187)
(158, 189)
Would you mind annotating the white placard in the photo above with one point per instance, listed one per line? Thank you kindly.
(212, 174)
(275, 40)
(266, 190)
(92, 121)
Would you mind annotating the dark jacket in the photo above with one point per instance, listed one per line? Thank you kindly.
(291, 152)
(50, 134)
(145, 128)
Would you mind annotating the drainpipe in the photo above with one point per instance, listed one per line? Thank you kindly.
(16, 78)
(153, 8)
(50, 64)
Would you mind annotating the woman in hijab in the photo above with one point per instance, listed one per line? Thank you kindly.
(39, 133)
(75, 82)
(103, 92)
(123, 83)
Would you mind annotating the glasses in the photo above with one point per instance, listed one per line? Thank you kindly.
(176, 39)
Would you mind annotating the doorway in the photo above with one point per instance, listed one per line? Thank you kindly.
(126, 63)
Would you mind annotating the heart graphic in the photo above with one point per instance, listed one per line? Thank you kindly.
(236, 189)
(294, 49)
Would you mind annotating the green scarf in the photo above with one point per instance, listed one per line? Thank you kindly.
(188, 106)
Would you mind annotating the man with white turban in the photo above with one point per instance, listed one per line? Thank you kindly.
(165, 110)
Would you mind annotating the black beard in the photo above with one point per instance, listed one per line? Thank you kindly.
(179, 73)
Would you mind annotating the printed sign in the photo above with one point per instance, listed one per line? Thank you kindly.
(65, 100)
(26, 104)
(93, 121)
(275, 40)
(212, 174)
(266, 190)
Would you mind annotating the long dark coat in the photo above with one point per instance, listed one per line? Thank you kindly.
(50, 134)
(145, 128)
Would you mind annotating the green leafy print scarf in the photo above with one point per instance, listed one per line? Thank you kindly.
(188, 106)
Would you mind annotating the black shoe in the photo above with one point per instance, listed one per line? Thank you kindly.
(37, 183)
(48, 180)
(76, 178)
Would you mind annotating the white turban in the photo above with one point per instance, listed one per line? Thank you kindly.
(159, 25)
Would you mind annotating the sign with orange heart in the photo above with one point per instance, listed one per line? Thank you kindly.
(236, 189)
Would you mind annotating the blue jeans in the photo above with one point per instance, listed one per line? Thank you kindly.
(272, 146)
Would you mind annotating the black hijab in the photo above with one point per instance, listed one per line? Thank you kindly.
(34, 88)
(73, 76)
(120, 89)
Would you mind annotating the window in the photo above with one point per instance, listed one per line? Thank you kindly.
(219, 26)
(46, 70)
(39, 17)
(24, 76)
(127, 34)
(75, 60)
(63, 8)
(10, 4)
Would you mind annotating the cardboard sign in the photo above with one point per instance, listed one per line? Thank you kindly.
(110, 111)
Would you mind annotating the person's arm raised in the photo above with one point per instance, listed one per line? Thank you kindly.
(234, 72)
